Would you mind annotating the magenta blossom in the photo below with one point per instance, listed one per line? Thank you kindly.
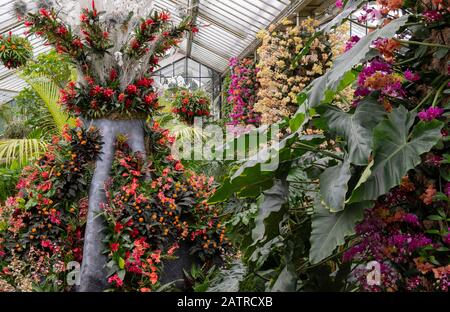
(351, 42)
(431, 113)
(339, 4)
(447, 189)
(432, 16)
(411, 76)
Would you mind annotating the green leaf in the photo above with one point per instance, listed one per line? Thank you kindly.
(121, 274)
(286, 281)
(272, 202)
(396, 151)
(333, 186)
(349, 8)
(49, 92)
(32, 202)
(356, 128)
(329, 229)
(296, 123)
(121, 263)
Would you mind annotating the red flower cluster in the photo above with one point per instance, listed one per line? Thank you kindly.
(94, 100)
(14, 51)
(188, 105)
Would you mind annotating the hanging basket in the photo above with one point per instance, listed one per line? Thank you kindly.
(15, 51)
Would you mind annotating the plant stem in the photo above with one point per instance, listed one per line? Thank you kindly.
(425, 99)
(343, 98)
(408, 42)
(439, 91)
(302, 146)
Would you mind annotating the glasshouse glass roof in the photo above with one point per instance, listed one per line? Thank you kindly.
(228, 28)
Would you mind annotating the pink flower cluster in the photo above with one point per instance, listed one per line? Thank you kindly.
(378, 75)
(431, 113)
(242, 92)
(351, 42)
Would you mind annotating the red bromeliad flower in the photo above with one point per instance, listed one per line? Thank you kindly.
(115, 280)
(132, 89)
(114, 247)
(108, 93)
(164, 16)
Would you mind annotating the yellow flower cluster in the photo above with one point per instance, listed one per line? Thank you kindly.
(281, 76)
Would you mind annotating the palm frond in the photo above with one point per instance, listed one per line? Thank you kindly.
(49, 91)
(21, 151)
(180, 130)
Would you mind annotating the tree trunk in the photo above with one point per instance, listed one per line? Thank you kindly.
(93, 268)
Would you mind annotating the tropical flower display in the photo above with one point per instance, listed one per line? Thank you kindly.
(147, 218)
(190, 104)
(329, 169)
(281, 76)
(410, 244)
(242, 92)
(15, 51)
(122, 87)
(42, 227)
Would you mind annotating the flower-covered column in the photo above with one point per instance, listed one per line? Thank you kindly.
(93, 270)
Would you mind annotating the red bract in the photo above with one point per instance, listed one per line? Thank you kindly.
(132, 89)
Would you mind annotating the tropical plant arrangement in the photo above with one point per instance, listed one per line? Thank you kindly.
(148, 219)
(15, 51)
(36, 110)
(242, 92)
(360, 187)
(115, 54)
(190, 104)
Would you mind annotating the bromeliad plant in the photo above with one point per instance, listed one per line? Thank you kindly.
(384, 163)
(190, 104)
(115, 58)
(15, 51)
(115, 53)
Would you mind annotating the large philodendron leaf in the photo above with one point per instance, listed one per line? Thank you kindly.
(329, 229)
(272, 203)
(396, 151)
(256, 174)
(356, 128)
(334, 186)
(361, 52)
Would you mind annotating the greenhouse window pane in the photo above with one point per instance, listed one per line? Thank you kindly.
(206, 71)
(193, 68)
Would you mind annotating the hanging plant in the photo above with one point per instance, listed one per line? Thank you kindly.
(281, 76)
(242, 92)
(15, 51)
(188, 105)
